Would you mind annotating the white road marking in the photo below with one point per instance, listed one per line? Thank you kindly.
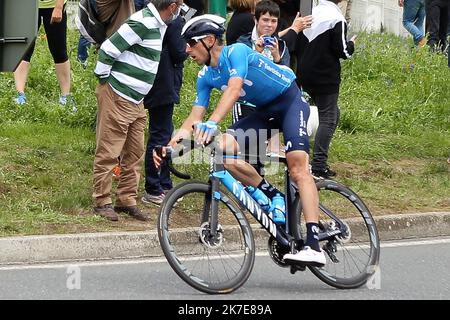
(389, 244)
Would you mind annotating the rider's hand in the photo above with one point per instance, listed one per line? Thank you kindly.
(158, 158)
(204, 131)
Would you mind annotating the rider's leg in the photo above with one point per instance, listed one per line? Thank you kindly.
(299, 171)
(239, 169)
(298, 164)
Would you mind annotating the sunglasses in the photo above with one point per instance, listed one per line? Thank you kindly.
(192, 42)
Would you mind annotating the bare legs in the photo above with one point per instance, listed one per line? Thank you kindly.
(62, 74)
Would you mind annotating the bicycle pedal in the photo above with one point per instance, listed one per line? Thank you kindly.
(297, 267)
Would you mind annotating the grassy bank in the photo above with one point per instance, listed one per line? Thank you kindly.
(391, 145)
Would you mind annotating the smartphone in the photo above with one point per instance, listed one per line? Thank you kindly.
(306, 7)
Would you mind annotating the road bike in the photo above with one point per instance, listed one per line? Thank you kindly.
(208, 240)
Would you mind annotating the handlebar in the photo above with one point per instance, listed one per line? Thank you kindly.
(186, 146)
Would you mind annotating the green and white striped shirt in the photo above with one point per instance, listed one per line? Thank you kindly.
(129, 59)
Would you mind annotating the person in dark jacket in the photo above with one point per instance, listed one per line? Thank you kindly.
(241, 22)
(319, 74)
(160, 103)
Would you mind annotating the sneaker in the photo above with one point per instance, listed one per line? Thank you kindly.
(132, 211)
(68, 100)
(325, 174)
(107, 212)
(307, 256)
(278, 209)
(148, 198)
(20, 99)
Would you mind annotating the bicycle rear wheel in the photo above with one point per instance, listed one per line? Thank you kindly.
(211, 264)
(352, 257)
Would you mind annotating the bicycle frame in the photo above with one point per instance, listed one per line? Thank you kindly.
(288, 235)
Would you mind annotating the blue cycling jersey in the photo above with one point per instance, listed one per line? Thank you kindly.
(263, 80)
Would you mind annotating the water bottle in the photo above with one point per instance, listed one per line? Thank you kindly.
(278, 209)
(259, 197)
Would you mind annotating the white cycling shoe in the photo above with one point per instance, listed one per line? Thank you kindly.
(306, 256)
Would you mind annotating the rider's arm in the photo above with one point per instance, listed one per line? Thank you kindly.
(229, 97)
(238, 68)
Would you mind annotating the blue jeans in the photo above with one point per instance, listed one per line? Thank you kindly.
(413, 18)
(83, 46)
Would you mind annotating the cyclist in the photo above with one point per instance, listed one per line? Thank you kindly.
(243, 74)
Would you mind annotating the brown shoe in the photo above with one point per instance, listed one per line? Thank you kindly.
(133, 211)
(422, 42)
(107, 212)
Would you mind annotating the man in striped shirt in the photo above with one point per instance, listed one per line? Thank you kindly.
(127, 65)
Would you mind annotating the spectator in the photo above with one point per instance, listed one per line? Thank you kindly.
(288, 10)
(52, 14)
(267, 14)
(436, 23)
(82, 51)
(413, 19)
(197, 5)
(319, 74)
(127, 65)
(112, 12)
(242, 20)
(160, 103)
(140, 4)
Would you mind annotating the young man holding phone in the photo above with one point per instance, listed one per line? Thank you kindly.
(264, 38)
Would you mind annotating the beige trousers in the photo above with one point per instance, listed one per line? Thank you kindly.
(119, 132)
(114, 11)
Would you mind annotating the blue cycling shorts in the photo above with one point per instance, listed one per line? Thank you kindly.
(288, 113)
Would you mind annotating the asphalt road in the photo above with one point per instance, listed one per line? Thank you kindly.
(416, 269)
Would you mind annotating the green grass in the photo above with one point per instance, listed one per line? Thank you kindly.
(391, 146)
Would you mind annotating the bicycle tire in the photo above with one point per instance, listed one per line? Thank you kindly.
(359, 246)
(221, 266)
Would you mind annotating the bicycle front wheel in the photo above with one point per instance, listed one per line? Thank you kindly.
(352, 256)
(212, 263)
